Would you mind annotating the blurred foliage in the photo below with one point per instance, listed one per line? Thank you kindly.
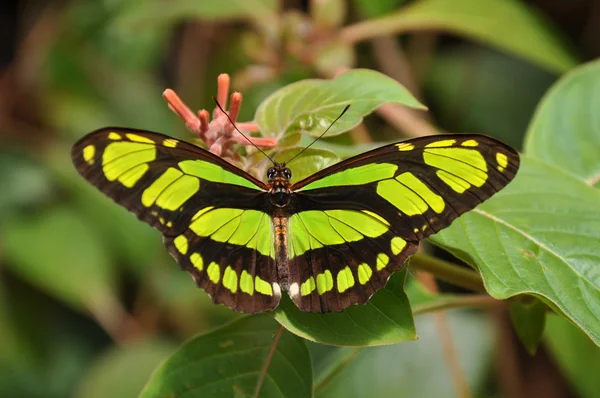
(90, 302)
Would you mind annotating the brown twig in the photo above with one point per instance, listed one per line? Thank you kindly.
(406, 120)
(114, 319)
(393, 62)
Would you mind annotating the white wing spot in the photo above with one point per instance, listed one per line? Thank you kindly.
(294, 290)
(276, 290)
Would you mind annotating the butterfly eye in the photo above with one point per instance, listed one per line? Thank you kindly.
(287, 173)
(271, 172)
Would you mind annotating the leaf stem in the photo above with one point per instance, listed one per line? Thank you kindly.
(265, 368)
(446, 303)
(448, 272)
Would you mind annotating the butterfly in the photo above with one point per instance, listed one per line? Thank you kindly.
(330, 240)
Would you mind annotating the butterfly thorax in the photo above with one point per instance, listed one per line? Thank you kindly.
(279, 185)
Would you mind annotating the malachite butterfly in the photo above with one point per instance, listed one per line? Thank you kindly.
(330, 240)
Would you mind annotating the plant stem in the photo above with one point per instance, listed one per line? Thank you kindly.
(448, 272)
(446, 303)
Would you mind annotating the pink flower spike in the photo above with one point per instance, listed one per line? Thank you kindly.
(251, 127)
(234, 111)
(177, 106)
(219, 133)
(263, 142)
(222, 92)
(204, 117)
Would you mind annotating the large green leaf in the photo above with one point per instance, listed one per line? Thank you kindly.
(539, 235)
(312, 105)
(566, 128)
(385, 319)
(228, 362)
(506, 24)
(415, 369)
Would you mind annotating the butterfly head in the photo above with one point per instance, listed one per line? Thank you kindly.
(279, 183)
(279, 171)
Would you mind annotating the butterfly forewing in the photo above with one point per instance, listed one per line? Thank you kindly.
(358, 221)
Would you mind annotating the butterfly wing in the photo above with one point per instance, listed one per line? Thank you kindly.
(357, 222)
(211, 214)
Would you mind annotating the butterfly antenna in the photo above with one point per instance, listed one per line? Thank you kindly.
(322, 134)
(238, 130)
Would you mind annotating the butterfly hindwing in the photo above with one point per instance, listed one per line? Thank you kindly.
(230, 254)
(358, 259)
(193, 198)
(408, 191)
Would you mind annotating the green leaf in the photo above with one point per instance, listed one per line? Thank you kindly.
(409, 370)
(311, 161)
(564, 131)
(385, 319)
(311, 105)
(528, 317)
(228, 361)
(506, 24)
(59, 252)
(343, 151)
(154, 13)
(123, 371)
(538, 236)
(576, 354)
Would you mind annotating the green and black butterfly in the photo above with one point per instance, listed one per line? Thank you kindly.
(330, 240)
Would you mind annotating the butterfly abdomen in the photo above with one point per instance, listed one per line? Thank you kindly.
(280, 226)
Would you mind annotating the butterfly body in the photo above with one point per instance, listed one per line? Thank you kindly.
(330, 240)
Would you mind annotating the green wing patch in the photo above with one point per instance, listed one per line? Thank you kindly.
(359, 220)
